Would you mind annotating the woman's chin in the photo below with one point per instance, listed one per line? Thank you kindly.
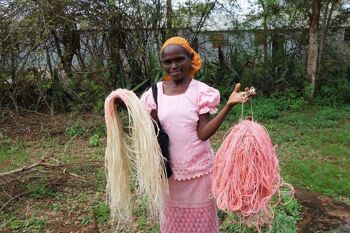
(177, 77)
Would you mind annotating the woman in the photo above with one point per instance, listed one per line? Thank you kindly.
(184, 108)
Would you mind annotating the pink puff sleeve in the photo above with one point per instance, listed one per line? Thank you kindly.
(148, 101)
(209, 99)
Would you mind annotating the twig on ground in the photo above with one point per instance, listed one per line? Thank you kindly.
(42, 169)
(67, 144)
(11, 199)
(24, 168)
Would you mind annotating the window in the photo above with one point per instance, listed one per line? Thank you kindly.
(347, 34)
(218, 40)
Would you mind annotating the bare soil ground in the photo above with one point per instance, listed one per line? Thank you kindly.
(322, 213)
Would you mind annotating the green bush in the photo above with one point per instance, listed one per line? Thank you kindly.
(335, 92)
(39, 189)
(265, 108)
(290, 100)
(101, 211)
(286, 217)
(334, 85)
(75, 130)
(95, 140)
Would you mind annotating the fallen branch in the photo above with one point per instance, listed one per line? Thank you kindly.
(77, 176)
(42, 169)
(24, 168)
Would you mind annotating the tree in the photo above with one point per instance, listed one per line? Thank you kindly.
(169, 18)
(192, 16)
(313, 50)
(318, 37)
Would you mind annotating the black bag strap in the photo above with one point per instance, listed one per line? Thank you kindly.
(155, 97)
(155, 93)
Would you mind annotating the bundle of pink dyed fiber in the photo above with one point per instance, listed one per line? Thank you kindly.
(246, 173)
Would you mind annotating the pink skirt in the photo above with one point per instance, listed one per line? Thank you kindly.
(189, 207)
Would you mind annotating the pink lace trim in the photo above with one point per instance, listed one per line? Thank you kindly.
(194, 176)
(188, 173)
(190, 220)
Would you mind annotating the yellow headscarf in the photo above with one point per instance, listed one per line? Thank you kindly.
(196, 61)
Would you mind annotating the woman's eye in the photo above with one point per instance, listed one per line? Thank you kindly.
(180, 59)
(177, 60)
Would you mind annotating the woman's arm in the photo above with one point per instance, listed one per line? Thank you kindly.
(207, 127)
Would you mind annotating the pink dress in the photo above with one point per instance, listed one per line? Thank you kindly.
(190, 207)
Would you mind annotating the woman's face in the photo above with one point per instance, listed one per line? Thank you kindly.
(176, 61)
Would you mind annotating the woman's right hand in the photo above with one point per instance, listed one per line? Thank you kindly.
(239, 97)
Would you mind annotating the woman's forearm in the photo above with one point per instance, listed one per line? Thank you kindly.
(208, 129)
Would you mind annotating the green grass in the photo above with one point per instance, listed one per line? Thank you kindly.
(30, 224)
(313, 147)
(313, 144)
(287, 214)
(12, 154)
(39, 189)
(319, 176)
(101, 211)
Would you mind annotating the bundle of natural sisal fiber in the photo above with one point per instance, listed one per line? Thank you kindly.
(140, 160)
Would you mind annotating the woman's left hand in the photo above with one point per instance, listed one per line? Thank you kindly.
(238, 97)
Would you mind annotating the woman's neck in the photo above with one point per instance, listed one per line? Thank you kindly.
(175, 87)
(181, 82)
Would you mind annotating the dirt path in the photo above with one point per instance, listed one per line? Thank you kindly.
(322, 214)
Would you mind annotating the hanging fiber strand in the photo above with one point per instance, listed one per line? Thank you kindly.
(246, 174)
(140, 159)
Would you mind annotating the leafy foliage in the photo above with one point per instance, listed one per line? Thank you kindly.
(101, 210)
(287, 215)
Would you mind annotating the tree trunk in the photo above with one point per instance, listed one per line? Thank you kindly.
(169, 21)
(325, 25)
(48, 60)
(169, 14)
(57, 43)
(265, 32)
(68, 53)
(13, 65)
(113, 47)
(313, 45)
(265, 40)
